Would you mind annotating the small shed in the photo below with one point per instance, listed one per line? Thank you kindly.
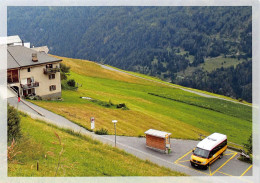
(158, 140)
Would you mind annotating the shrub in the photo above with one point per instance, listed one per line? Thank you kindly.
(248, 145)
(63, 76)
(102, 131)
(64, 71)
(64, 68)
(71, 82)
(246, 155)
(12, 151)
(122, 106)
(13, 121)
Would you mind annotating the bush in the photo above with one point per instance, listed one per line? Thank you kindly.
(71, 82)
(65, 70)
(13, 121)
(248, 145)
(102, 131)
(63, 76)
(122, 106)
(246, 155)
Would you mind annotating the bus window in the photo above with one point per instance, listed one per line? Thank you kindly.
(201, 153)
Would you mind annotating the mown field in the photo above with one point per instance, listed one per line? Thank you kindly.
(151, 105)
(79, 155)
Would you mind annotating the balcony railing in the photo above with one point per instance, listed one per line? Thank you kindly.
(31, 85)
(51, 70)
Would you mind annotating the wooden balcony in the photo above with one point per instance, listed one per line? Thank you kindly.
(51, 70)
(31, 85)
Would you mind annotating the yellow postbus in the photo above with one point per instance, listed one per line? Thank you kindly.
(209, 150)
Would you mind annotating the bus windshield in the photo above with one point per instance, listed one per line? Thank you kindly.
(201, 152)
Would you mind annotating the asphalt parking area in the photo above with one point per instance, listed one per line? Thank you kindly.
(228, 165)
(179, 158)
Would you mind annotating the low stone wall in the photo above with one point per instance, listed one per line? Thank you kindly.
(52, 96)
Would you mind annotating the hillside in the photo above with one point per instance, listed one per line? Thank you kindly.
(157, 41)
(81, 156)
(150, 105)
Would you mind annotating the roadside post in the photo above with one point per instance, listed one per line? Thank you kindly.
(115, 121)
(92, 122)
(167, 143)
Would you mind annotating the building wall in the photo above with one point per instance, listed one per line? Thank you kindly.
(44, 82)
(155, 142)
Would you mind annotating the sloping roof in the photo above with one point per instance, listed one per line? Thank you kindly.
(42, 48)
(11, 63)
(157, 133)
(10, 39)
(211, 141)
(20, 56)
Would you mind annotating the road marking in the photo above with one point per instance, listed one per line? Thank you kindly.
(178, 162)
(228, 154)
(224, 163)
(183, 161)
(246, 170)
(183, 156)
(224, 173)
(192, 168)
(209, 171)
(232, 151)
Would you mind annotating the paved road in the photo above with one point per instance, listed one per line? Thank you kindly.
(178, 160)
(163, 83)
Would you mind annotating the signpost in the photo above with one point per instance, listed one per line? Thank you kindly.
(115, 121)
(92, 122)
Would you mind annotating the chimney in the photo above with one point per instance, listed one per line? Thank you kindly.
(34, 57)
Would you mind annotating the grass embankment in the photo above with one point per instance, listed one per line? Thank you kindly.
(188, 71)
(81, 155)
(183, 114)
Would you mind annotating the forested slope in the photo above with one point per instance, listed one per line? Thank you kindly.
(158, 41)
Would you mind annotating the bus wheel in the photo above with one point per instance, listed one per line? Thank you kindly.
(221, 155)
(206, 167)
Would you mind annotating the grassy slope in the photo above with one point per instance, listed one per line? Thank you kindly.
(188, 71)
(183, 114)
(82, 156)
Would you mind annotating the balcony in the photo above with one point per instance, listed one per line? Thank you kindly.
(31, 85)
(51, 70)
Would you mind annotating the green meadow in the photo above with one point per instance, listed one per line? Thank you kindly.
(150, 104)
(47, 151)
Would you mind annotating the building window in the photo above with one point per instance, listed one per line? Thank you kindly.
(49, 66)
(52, 87)
(52, 76)
(29, 69)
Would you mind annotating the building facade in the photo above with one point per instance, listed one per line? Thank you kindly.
(33, 73)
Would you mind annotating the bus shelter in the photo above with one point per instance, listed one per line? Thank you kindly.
(158, 140)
